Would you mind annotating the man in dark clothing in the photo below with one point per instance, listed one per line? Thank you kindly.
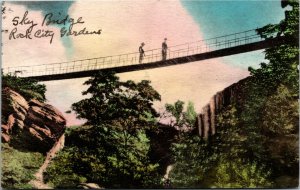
(142, 52)
(164, 50)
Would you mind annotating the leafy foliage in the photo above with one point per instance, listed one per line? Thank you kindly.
(270, 110)
(113, 100)
(283, 59)
(179, 117)
(257, 134)
(236, 174)
(192, 156)
(280, 115)
(113, 150)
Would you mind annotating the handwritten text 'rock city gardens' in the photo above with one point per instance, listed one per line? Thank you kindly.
(40, 30)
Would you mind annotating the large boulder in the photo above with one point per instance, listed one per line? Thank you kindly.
(14, 108)
(45, 118)
(39, 124)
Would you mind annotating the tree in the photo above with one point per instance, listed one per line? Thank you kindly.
(179, 117)
(114, 148)
(274, 86)
(122, 105)
(283, 59)
(236, 174)
(123, 108)
(202, 157)
(193, 159)
(255, 144)
(269, 112)
(280, 116)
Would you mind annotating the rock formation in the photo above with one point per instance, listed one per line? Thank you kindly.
(206, 121)
(39, 123)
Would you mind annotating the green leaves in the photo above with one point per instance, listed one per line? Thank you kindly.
(280, 115)
(112, 149)
(256, 136)
(182, 118)
(112, 101)
(283, 60)
(236, 174)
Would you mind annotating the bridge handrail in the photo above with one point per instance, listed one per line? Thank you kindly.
(104, 57)
(152, 55)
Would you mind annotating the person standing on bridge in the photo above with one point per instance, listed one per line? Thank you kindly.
(164, 50)
(142, 52)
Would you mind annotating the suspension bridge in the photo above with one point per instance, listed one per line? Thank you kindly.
(226, 45)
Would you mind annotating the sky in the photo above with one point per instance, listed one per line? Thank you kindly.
(217, 17)
(124, 25)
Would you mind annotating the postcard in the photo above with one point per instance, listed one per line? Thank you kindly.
(150, 94)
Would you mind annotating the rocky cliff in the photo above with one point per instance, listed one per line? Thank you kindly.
(39, 124)
(206, 120)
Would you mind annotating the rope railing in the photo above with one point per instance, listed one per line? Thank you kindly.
(153, 55)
